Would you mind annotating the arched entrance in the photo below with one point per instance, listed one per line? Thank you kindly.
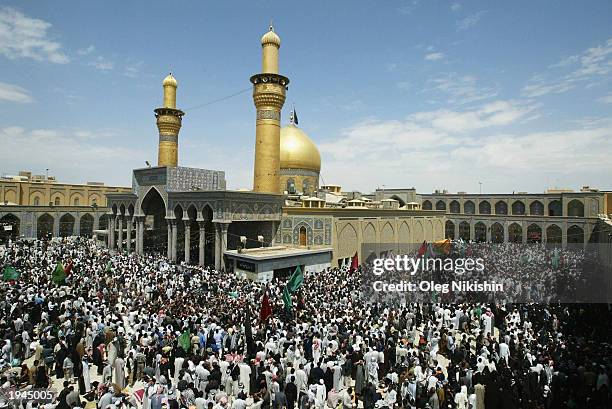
(497, 233)
(575, 208)
(536, 208)
(554, 208)
(454, 207)
(515, 233)
(209, 236)
(66, 227)
(180, 233)
(469, 207)
(501, 207)
(426, 205)
(484, 207)
(156, 229)
(534, 233)
(449, 230)
(575, 235)
(518, 208)
(86, 226)
(303, 236)
(480, 232)
(440, 205)
(44, 226)
(9, 227)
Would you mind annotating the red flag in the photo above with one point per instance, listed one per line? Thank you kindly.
(139, 395)
(68, 268)
(266, 308)
(422, 249)
(354, 262)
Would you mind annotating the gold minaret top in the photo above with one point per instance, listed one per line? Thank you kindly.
(169, 121)
(269, 89)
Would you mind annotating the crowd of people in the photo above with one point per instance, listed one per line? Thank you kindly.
(126, 330)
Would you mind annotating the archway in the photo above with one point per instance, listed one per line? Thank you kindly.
(210, 236)
(426, 205)
(449, 229)
(484, 207)
(44, 226)
(180, 233)
(303, 236)
(66, 225)
(575, 208)
(534, 233)
(554, 208)
(194, 235)
(291, 186)
(497, 233)
(515, 233)
(536, 208)
(480, 232)
(401, 201)
(518, 208)
(9, 227)
(156, 229)
(464, 230)
(575, 235)
(501, 207)
(454, 207)
(553, 234)
(86, 225)
(469, 207)
(440, 205)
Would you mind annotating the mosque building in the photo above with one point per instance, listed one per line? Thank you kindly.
(287, 219)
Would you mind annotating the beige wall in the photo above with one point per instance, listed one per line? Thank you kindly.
(59, 194)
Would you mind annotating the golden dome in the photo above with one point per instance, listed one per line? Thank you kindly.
(270, 38)
(170, 80)
(297, 150)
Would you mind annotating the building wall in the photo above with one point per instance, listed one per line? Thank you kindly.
(346, 230)
(305, 181)
(57, 194)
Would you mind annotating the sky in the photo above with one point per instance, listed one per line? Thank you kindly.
(516, 95)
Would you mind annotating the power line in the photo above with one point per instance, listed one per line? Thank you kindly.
(218, 100)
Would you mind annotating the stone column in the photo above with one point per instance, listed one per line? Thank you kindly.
(506, 232)
(187, 240)
(174, 239)
(217, 246)
(524, 231)
(128, 235)
(544, 237)
(456, 223)
(76, 229)
(224, 228)
(111, 231)
(56, 225)
(202, 243)
(169, 253)
(140, 238)
(120, 237)
(564, 233)
(472, 231)
(488, 233)
(586, 233)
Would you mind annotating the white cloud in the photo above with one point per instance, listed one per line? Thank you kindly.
(102, 64)
(593, 64)
(456, 149)
(88, 152)
(455, 7)
(14, 93)
(470, 21)
(434, 56)
(25, 37)
(462, 89)
(132, 70)
(86, 50)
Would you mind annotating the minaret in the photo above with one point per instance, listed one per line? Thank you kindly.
(269, 90)
(169, 124)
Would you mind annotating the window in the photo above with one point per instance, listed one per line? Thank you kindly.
(37, 201)
(57, 201)
(76, 201)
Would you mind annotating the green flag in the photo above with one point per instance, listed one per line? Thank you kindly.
(184, 340)
(10, 274)
(287, 299)
(296, 280)
(59, 275)
(109, 266)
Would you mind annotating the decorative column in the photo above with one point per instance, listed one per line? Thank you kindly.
(120, 236)
(456, 223)
(169, 253)
(488, 233)
(187, 239)
(524, 231)
(564, 234)
(174, 239)
(76, 229)
(544, 238)
(128, 235)
(586, 233)
(56, 225)
(472, 231)
(140, 237)
(506, 232)
(217, 246)
(111, 231)
(202, 243)
(224, 228)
